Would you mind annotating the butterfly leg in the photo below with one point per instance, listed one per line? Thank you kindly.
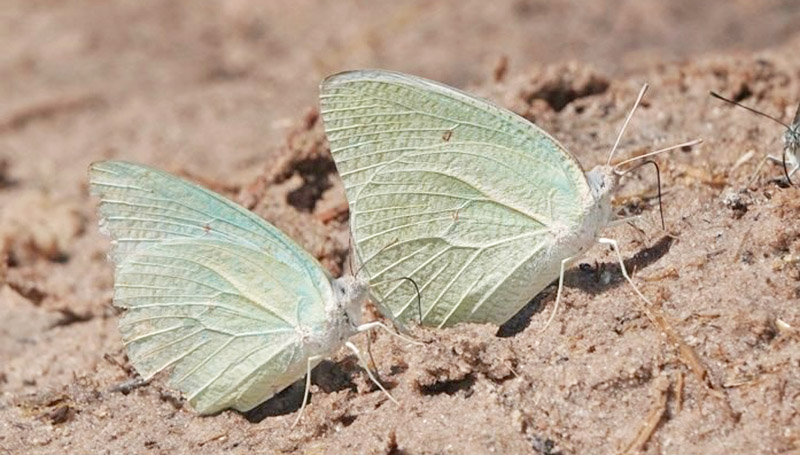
(364, 365)
(760, 165)
(775, 159)
(564, 263)
(615, 246)
(791, 160)
(794, 169)
(311, 360)
(784, 161)
(380, 325)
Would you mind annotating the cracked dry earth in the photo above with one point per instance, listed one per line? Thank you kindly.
(603, 378)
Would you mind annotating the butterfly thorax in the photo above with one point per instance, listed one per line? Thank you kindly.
(602, 183)
(574, 241)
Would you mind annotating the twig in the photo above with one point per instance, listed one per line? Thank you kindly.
(679, 383)
(688, 356)
(661, 392)
(125, 387)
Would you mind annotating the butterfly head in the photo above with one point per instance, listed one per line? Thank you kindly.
(602, 182)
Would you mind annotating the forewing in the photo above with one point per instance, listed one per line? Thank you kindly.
(141, 206)
(451, 191)
(223, 317)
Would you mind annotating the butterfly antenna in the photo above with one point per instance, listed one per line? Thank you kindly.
(649, 154)
(416, 288)
(419, 296)
(658, 180)
(735, 103)
(627, 120)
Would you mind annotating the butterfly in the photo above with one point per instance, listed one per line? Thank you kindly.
(231, 305)
(480, 207)
(791, 141)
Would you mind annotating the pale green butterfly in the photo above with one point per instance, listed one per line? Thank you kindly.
(480, 207)
(233, 306)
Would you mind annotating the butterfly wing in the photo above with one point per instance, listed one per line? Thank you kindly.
(458, 194)
(220, 307)
(141, 206)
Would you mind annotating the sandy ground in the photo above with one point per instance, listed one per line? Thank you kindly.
(225, 95)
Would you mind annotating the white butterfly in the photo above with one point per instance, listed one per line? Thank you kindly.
(230, 304)
(790, 158)
(481, 208)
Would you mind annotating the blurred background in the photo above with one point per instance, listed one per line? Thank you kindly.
(153, 80)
